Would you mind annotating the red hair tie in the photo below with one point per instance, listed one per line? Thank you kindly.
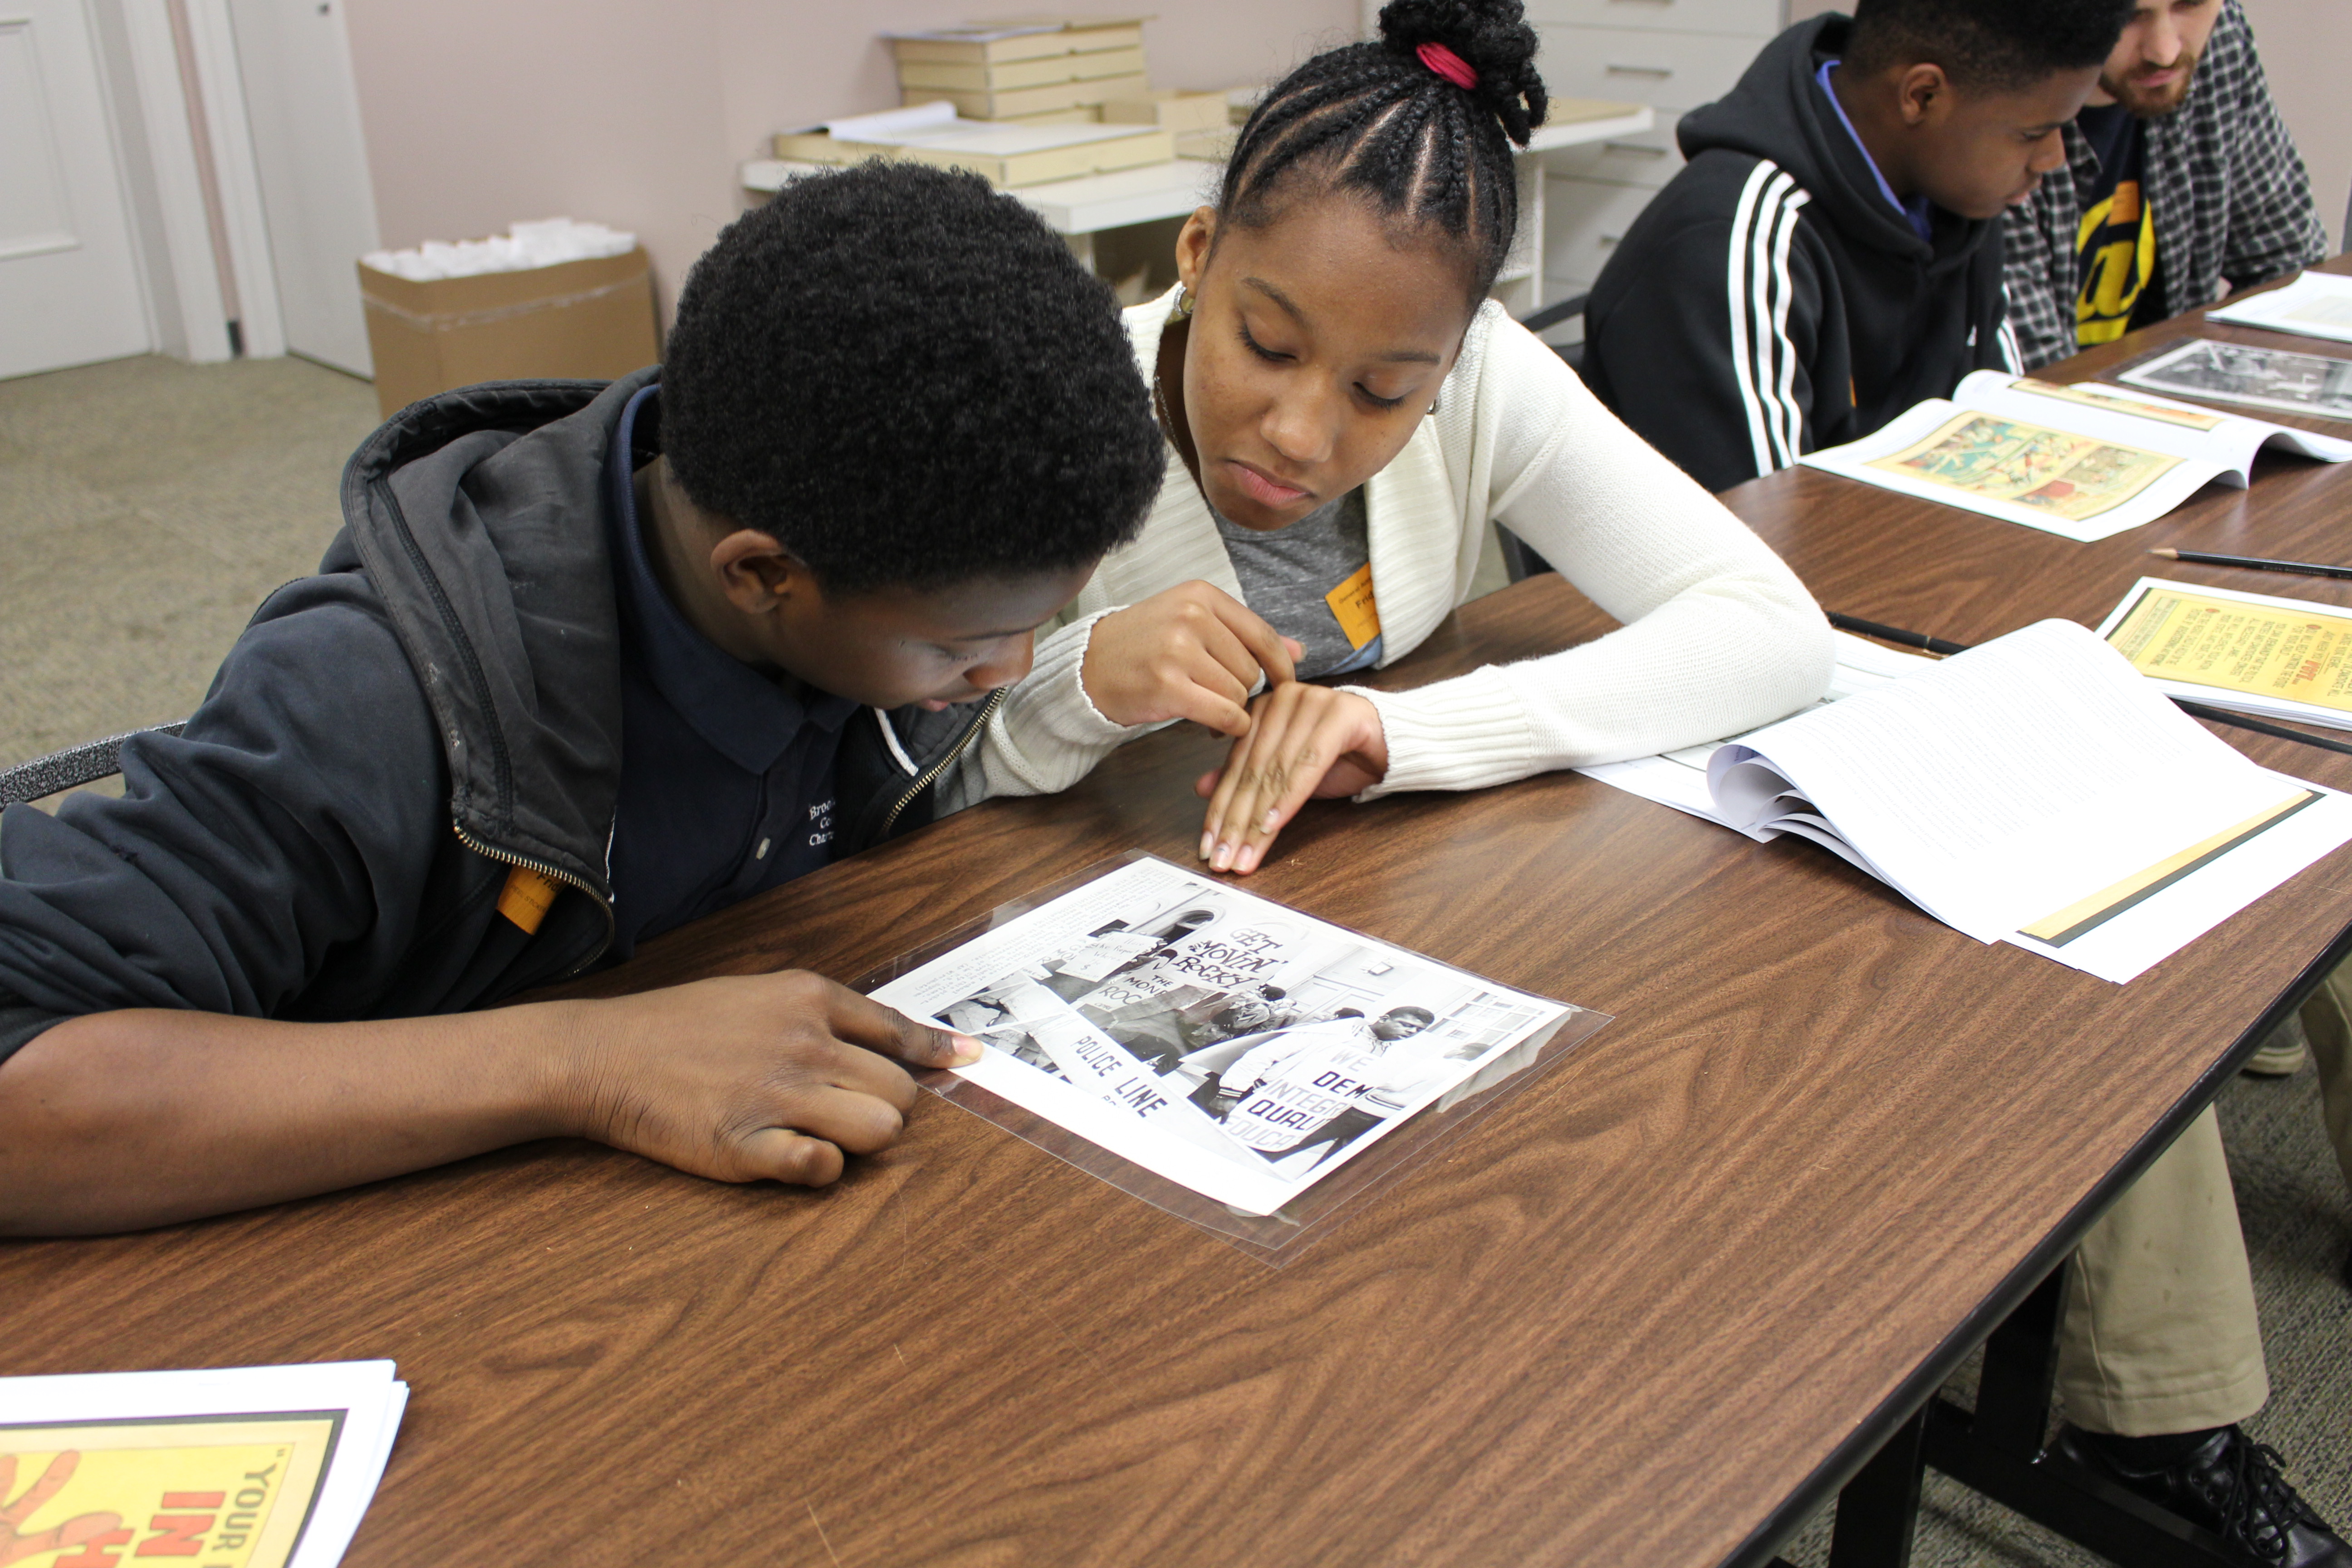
(1448, 64)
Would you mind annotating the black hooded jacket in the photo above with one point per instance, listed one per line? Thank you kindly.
(1772, 301)
(328, 838)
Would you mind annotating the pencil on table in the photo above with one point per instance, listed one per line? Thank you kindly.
(2254, 562)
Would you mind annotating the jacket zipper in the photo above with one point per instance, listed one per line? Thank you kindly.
(964, 744)
(554, 874)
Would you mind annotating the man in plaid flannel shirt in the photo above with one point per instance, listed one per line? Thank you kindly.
(2222, 182)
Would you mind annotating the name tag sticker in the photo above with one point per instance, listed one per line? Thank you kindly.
(526, 898)
(1352, 607)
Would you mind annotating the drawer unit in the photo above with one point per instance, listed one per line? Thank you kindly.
(1641, 158)
(1583, 222)
(1676, 71)
(1747, 18)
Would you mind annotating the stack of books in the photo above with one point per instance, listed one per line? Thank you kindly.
(1006, 156)
(1043, 72)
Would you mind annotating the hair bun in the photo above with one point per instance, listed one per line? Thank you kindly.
(1492, 36)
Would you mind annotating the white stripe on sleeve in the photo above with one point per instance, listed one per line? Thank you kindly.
(1735, 290)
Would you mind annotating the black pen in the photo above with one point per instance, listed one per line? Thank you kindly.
(1927, 644)
(2255, 563)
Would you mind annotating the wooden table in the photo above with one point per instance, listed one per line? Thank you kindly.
(1654, 1311)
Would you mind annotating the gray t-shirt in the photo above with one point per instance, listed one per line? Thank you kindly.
(1313, 581)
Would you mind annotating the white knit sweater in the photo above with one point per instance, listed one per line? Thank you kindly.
(1717, 636)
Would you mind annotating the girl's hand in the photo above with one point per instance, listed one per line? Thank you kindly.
(1192, 651)
(1304, 743)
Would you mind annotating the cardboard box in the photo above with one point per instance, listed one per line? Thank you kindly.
(591, 318)
(1170, 109)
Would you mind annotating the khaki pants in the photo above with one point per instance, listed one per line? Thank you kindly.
(2160, 1334)
(2327, 1024)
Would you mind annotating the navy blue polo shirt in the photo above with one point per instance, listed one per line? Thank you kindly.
(726, 779)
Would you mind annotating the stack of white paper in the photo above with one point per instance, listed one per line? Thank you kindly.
(264, 1466)
(2035, 790)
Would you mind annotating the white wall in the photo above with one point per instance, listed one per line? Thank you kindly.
(478, 113)
(2306, 44)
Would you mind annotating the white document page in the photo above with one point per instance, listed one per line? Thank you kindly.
(2316, 305)
(2005, 785)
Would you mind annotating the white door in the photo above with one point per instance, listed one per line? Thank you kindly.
(69, 286)
(301, 102)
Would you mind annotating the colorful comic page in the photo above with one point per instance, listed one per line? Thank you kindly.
(2073, 477)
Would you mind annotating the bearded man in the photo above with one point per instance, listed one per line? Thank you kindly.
(2181, 185)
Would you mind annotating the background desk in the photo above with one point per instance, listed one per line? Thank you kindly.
(1651, 1312)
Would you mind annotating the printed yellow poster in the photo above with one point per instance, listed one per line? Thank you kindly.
(2073, 477)
(214, 1491)
(2091, 394)
(2302, 654)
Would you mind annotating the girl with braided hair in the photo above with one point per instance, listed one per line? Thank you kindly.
(1345, 413)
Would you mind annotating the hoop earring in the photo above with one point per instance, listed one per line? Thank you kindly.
(1182, 309)
(1432, 405)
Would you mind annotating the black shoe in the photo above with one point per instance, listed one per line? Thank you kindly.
(2228, 1484)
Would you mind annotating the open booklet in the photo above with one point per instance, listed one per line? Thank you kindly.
(2035, 790)
(1223, 1042)
(2082, 461)
(261, 1467)
(2258, 653)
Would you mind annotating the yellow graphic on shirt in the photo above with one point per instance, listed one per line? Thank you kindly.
(230, 1491)
(1352, 607)
(2115, 256)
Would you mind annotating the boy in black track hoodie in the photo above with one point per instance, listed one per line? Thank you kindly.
(1830, 254)
(584, 664)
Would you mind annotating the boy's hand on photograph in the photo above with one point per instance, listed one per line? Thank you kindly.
(1192, 651)
(756, 1077)
(1305, 742)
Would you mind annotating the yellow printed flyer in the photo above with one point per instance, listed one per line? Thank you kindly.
(255, 1467)
(230, 1491)
(2289, 654)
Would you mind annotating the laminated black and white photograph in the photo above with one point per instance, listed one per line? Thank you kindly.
(2276, 379)
(1229, 1044)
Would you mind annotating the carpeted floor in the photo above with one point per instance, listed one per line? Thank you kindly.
(146, 506)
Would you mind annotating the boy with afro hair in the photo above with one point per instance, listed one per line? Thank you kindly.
(585, 663)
